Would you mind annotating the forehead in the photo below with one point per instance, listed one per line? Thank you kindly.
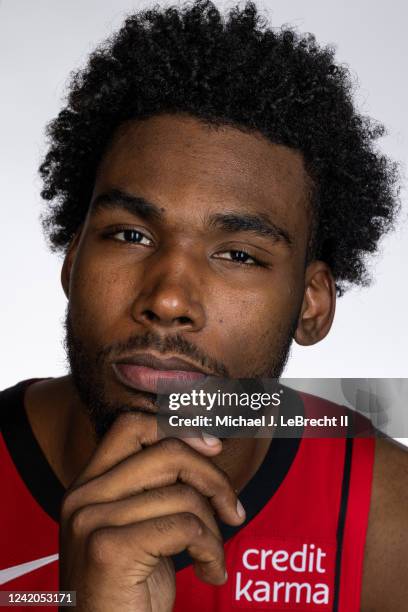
(180, 161)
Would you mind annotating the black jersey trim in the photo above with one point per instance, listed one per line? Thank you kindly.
(26, 453)
(348, 456)
(48, 491)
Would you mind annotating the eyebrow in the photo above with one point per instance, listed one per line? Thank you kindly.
(136, 205)
(231, 222)
(259, 224)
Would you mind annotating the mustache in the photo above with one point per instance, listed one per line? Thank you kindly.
(175, 344)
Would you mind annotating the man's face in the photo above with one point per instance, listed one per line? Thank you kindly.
(191, 260)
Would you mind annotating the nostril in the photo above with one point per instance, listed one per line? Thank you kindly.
(184, 320)
(150, 315)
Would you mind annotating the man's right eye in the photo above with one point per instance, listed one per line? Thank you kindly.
(132, 236)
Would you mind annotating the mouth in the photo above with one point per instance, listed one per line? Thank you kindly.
(154, 374)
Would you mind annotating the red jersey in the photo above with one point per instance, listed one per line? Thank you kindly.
(300, 548)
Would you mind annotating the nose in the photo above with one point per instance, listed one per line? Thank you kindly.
(169, 297)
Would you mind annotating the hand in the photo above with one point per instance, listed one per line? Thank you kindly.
(138, 501)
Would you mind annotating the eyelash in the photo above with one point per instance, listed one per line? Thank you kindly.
(118, 230)
(121, 230)
(256, 262)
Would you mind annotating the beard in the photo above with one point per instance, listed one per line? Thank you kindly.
(88, 369)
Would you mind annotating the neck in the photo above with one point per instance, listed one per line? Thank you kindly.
(66, 436)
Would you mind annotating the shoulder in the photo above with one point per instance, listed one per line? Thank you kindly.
(385, 578)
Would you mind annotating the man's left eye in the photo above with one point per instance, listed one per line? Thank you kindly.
(240, 257)
(133, 236)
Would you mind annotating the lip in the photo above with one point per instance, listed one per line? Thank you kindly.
(147, 372)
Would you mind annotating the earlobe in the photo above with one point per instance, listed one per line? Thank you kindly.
(68, 263)
(319, 303)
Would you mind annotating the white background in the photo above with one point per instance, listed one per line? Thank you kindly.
(42, 41)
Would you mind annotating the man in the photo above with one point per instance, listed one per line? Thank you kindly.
(212, 188)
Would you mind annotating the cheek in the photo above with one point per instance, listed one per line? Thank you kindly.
(100, 296)
(251, 326)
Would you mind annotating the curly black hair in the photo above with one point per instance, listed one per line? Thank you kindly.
(232, 70)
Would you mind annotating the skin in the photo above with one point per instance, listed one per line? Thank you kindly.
(120, 520)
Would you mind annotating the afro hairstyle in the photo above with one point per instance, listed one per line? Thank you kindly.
(235, 70)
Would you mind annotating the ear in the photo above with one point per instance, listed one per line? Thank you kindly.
(68, 263)
(319, 304)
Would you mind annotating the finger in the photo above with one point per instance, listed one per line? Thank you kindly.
(150, 504)
(207, 445)
(162, 464)
(141, 545)
(128, 435)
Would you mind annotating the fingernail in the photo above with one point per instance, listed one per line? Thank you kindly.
(226, 575)
(210, 440)
(240, 510)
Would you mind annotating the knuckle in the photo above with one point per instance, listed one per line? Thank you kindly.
(101, 547)
(215, 567)
(65, 508)
(69, 504)
(155, 495)
(191, 497)
(220, 552)
(164, 524)
(192, 524)
(172, 446)
(79, 521)
(217, 558)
